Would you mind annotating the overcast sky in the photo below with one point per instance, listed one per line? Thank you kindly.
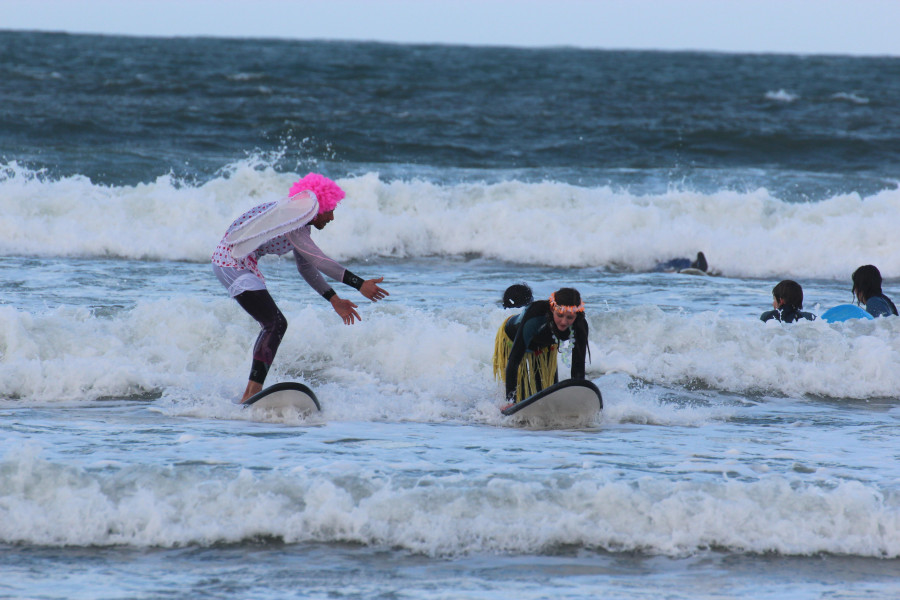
(859, 27)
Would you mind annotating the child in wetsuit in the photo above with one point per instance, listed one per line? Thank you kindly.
(787, 300)
(867, 289)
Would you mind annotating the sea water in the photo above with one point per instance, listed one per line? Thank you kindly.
(733, 458)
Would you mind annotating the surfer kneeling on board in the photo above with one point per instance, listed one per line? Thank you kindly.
(787, 300)
(867, 289)
(246, 284)
(526, 345)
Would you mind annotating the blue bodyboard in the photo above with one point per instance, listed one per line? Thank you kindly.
(844, 312)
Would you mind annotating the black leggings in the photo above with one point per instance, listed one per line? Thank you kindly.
(260, 305)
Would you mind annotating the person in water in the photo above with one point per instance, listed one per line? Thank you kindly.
(867, 290)
(679, 264)
(246, 284)
(517, 296)
(787, 302)
(527, 343)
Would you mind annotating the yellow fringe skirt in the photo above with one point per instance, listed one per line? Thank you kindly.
(541, 363)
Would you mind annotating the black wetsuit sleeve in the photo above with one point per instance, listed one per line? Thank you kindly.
(769, 315)
(580, 349)
(578, 356)
(517, 352)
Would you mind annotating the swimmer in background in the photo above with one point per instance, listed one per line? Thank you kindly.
(867, 290)
(787, 302)
(517, 296)
(680, 264)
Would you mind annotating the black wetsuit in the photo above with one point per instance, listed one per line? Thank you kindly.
(533, 330)
(880, 305)
(788, 314)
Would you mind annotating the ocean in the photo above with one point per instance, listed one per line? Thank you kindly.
(733, 458)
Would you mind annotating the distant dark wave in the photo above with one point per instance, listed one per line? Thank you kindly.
(188, 106)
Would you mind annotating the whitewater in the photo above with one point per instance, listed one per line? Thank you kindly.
(733, 458)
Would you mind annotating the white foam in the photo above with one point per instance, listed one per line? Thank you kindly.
(781, 96)
(850, 97)
(846, 360)
(425, 365)
(437, 514)
(747, 234)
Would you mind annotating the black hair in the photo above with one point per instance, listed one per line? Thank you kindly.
(517, 296)
(567, 297)
(789, 291)
(867, 281)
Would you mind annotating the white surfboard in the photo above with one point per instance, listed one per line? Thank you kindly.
(569, 401)
(285, 215)
(286, 395)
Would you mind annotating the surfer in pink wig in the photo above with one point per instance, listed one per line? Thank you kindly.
(327, 192)
(245, 283)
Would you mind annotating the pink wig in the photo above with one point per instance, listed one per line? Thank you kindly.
(327, 192)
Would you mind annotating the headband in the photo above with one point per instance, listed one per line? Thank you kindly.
(562, 309)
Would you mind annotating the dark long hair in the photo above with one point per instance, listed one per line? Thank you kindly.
(867, 281)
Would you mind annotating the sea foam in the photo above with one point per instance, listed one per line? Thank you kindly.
(434, 364)
(744, 234)
(436, 514)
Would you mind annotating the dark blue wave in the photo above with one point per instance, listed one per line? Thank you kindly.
(123, 110)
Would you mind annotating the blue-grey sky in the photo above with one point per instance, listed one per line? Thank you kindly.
(859, 27)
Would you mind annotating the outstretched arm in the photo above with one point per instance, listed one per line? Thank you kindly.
(312, 262)
(371, 290)
(368, 288)
(345, 308)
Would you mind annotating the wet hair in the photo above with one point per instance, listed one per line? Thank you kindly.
(517, 296)
(867, 281)
(789, 291)
(567, 297)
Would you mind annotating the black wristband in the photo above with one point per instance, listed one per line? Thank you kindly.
(329, 294)
(352, 280)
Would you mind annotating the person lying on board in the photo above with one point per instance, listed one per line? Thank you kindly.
(787, 302)
(527, 343)
(246, 284)
(680, 264)
(867, 290)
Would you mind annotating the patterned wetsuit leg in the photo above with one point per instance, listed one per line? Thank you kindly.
(260, 305)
